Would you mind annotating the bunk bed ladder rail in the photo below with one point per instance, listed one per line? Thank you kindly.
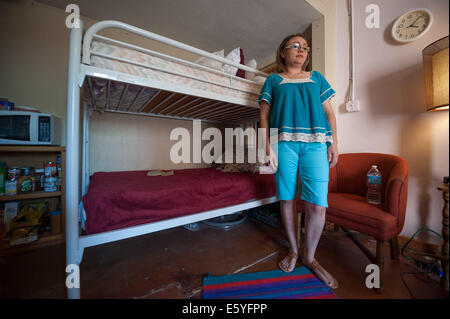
(73, 253)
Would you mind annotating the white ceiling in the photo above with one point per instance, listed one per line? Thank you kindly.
(257, 26)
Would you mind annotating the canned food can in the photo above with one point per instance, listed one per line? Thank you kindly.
(39, 176)
(25, 184)
(50, 169)
(42, 181)
(13, 173)
(33, 182)
(11, 188)
(50, 187)
(51, 184)
(27, 171)
(3, 177)
(6, 105)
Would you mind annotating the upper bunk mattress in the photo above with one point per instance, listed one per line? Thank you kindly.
(117, 200)
(113, 57)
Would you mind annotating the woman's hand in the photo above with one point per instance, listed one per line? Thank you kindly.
(272, 160)
(333, 155)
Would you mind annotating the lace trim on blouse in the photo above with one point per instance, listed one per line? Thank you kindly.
(305, 137)
(296, 80)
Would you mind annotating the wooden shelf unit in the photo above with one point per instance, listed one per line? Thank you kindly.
(21, 156)
(33, 195)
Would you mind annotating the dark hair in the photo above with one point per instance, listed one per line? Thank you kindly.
(281, 66)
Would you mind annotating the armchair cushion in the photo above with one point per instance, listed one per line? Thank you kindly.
(353, 212)
(347, 188)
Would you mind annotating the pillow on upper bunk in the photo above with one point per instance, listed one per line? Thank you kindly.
(237, 56)
(212, 63)
(251, 76)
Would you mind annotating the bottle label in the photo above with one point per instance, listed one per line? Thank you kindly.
(374, 179)
(25, 184)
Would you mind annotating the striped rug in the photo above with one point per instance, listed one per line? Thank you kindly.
(275, 284)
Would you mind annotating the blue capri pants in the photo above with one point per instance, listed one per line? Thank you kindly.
(309, 161)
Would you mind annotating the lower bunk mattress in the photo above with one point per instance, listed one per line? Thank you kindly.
(116, 200)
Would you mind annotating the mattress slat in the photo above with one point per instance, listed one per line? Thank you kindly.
(161, 96)
(169, 102)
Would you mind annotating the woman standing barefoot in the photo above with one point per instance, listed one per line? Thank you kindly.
(297, 104)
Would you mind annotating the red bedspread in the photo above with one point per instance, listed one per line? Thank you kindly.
(121, 199)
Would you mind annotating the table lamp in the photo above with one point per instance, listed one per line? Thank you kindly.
(435, 62)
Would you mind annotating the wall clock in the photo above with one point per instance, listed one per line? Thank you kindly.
(412, 25)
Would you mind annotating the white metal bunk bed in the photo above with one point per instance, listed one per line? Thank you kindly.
(133, 91)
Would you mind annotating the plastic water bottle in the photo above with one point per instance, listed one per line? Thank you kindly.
(373, 186)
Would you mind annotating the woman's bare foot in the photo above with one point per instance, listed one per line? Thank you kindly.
(321, 273)
(288, 263)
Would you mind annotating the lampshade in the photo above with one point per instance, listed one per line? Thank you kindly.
(435, 62)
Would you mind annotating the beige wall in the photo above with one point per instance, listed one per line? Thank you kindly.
(34, 73)
(318, 45)
(33, 67)
(324, 34)
(389, 83)
(122, 142)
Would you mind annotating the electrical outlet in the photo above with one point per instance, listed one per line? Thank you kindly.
(353, 106)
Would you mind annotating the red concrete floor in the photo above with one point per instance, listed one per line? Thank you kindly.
(171, 264)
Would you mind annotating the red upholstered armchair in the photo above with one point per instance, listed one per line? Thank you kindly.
(347, 206)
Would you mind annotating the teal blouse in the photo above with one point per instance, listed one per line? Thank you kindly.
(296, 111)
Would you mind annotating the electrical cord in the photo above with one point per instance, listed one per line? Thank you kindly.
(424, 268)
(417, 232)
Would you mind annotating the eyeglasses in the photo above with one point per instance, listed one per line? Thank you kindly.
(297, 46)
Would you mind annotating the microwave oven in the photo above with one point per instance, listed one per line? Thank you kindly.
(29, 128)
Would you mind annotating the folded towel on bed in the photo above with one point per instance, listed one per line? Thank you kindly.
(160, 173)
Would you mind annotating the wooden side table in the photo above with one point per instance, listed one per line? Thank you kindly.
(444, 252)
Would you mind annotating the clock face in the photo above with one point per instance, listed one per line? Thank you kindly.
(412, 25)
